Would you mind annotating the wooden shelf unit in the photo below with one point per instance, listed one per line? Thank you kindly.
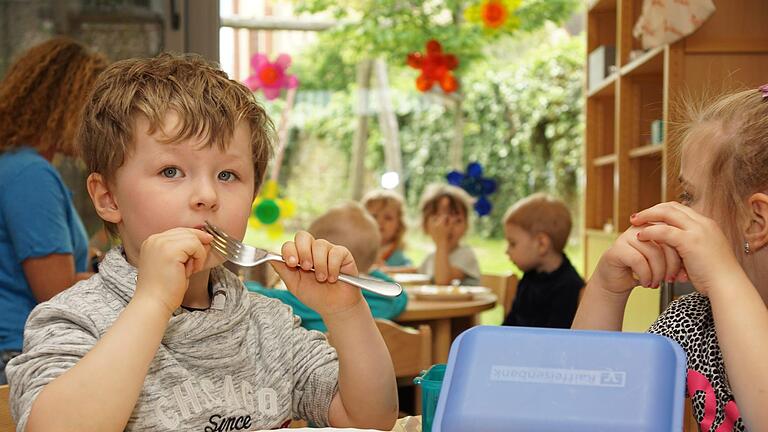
(624, 172)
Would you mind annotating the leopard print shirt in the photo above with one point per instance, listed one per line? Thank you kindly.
(689, 322)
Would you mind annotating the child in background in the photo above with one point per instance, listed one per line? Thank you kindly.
(164, 338)
(537, 230)
(386, 207)
(347, 225)
(716, 237)
(445, 217)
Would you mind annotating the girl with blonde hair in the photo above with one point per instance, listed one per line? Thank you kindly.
(388, 208)
(716, 237)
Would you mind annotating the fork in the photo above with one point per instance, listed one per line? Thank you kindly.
(235, 251)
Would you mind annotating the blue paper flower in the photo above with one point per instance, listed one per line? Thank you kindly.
(476, 185)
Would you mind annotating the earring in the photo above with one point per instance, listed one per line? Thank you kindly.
(746, 247)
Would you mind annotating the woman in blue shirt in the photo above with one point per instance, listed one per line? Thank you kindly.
(43, 244)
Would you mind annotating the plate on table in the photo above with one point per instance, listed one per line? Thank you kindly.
(411, 278)
(442, 292)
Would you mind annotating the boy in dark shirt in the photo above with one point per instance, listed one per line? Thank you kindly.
(537, 229)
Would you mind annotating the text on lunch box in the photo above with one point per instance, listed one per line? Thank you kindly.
(579, 377)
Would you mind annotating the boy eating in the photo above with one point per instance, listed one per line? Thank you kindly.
(164, 338)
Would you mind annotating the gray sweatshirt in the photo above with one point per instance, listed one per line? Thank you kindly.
(243, 364)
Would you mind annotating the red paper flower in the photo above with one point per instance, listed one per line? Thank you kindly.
(435, 67)
(271, 77)
(494, 15)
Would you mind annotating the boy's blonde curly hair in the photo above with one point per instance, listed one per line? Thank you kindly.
(349, 225)
(208, 103)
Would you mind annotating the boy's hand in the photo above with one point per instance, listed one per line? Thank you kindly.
(320, 290)
(166, 261)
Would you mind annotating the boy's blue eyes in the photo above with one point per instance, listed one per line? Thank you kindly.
(173, 172)
(170, 172)
(227, 176)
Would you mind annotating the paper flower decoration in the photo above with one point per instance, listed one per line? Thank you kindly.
(435, 67)
(271, 78)
(476, 185)
(268, 211)
(494, 15)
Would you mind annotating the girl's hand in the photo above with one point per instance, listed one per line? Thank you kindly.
(631, 262)
(439, 228)
(320, 290)
(166, 261)
(706, 253)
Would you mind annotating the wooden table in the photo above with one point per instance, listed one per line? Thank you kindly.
(446, 318)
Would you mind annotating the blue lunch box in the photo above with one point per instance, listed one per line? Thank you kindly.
(555, 380)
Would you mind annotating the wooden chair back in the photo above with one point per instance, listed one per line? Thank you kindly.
(410, 349)
(6, 422)
(411, 353)
(504, 286)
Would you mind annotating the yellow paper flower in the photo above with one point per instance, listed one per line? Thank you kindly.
(494, 15)
(268, 211)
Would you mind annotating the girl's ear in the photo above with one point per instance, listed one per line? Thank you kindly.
(757, 230)
(102, 198)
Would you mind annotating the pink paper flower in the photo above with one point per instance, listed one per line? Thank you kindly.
(270, 77)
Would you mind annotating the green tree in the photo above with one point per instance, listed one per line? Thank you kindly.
(523, 123)
(522, 107)
(391, 29)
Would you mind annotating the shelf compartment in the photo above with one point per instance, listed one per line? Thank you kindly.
(647, 150)
(646, 184)
(599, 195)
(642, 103)
(631, 10)
(604, 89)
(600, 129)
(651, 62)
(601, 25)
(605, 160)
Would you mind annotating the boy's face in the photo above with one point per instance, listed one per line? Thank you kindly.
(162, 186)
(386, 218)
(522, 247)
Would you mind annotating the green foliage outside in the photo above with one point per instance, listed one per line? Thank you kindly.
(391, 29)
(522, 109)
(523, 122)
